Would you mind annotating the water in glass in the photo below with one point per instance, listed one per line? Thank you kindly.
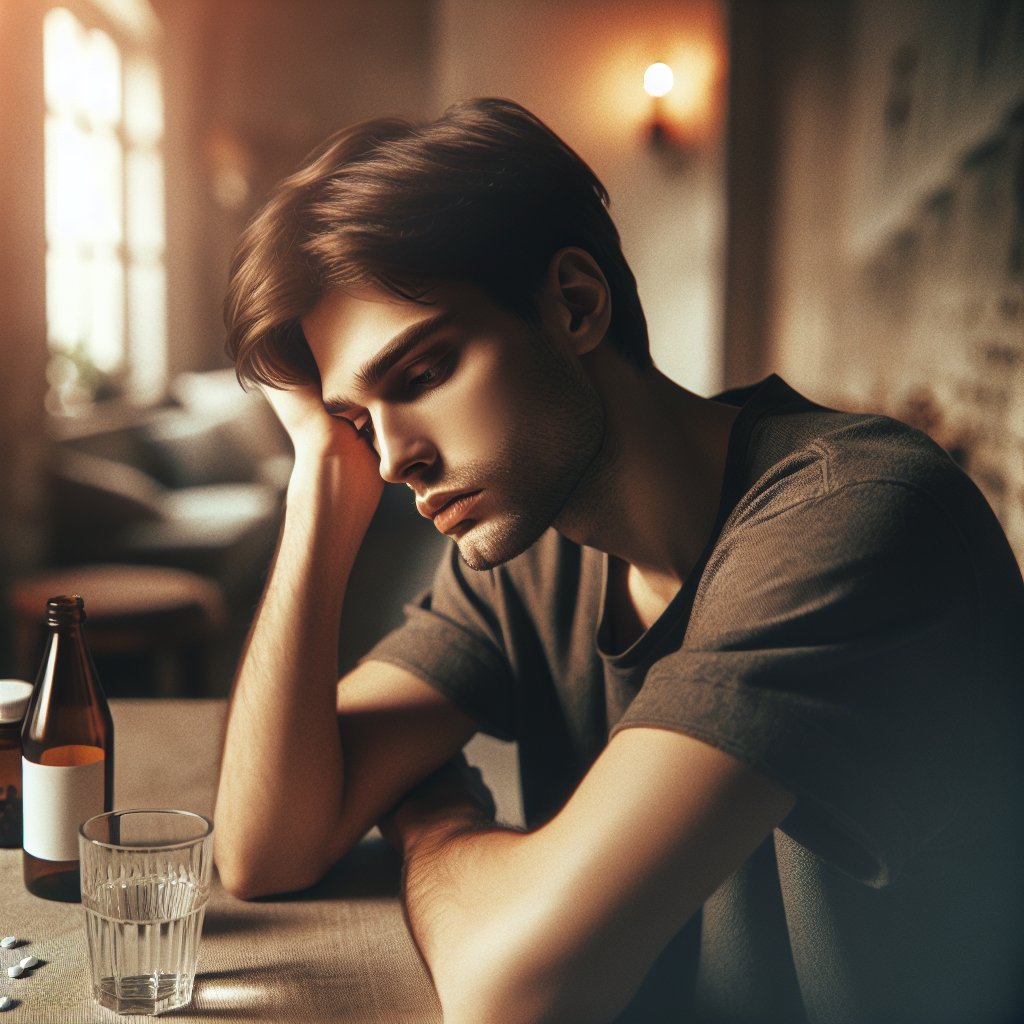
(143, 942)
(145, 883)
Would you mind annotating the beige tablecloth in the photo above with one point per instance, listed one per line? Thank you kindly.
(337, 952)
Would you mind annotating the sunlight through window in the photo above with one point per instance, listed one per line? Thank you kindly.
(105, 280)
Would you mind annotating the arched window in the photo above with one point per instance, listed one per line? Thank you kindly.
(105, 278)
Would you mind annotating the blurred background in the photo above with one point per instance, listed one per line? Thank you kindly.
(827, 190)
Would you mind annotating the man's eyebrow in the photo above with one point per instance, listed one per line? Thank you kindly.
(373, 371)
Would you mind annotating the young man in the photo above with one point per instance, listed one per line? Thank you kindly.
(762, 659)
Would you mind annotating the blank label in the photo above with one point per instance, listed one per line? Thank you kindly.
(56, 802)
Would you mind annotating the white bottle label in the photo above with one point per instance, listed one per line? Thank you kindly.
(55, 802)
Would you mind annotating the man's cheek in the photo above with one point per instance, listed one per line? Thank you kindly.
(477, 422)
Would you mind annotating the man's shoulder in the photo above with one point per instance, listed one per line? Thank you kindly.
(815, 453)
(861, 505)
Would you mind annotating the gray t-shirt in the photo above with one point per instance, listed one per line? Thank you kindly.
(854, 630)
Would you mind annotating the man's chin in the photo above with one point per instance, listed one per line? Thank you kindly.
(486, 546)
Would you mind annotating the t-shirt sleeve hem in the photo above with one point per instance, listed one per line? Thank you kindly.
(456, 663)
(815, 823)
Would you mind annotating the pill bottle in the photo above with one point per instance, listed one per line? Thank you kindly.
(14, 697)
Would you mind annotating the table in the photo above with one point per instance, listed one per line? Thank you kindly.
(339, 951)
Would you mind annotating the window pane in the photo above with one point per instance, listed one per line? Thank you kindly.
(63, 43)
(98, 198)
(147, 316)
(100, 85)
(144, 181)
(67, 308)
(104, 205)
(143, 103)
(67, 182)
(105, 341)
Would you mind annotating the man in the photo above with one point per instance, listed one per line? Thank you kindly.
(762, 659)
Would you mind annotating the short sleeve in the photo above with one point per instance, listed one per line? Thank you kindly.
(833, 646)
(452, 640)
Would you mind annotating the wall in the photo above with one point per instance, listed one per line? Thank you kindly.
(579, 66)
(895, 277)
(252, 86)
(22, 297)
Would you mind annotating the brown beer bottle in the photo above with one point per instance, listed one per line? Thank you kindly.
(67, 743)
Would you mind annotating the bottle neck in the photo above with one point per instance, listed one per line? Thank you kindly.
(65, 611)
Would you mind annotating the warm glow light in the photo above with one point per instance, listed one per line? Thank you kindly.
(698, 71)
(658, 79)
(104, 209)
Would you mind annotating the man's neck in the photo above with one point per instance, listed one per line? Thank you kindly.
(651, 496)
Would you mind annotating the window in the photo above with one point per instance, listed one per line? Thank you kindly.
(105, 278)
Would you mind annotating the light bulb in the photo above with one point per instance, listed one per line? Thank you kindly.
(658, 79)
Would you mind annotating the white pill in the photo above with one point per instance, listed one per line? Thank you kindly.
(5, 1002)
(16, 971)
(30, 961)
(11, 940)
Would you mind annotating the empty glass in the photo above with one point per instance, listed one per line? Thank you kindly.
(145, 884)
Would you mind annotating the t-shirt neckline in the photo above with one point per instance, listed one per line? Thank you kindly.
(755, 402)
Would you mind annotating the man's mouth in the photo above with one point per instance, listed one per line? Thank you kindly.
(447, 512)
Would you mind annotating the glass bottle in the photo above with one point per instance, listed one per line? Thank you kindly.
(67, 744)
(14, 697)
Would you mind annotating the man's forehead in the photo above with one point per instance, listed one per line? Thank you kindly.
(348, 325)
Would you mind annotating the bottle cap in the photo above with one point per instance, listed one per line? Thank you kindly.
(14, 697)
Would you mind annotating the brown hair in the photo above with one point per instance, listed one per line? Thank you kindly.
(485, 194)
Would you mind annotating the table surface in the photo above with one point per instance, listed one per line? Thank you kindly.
(339, 951)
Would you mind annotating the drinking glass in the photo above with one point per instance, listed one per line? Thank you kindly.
(145, 884)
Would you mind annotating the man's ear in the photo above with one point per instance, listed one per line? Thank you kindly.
(578, 303)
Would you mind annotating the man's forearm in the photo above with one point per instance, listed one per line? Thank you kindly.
(561, 924)
(282, 774)
(462, 901)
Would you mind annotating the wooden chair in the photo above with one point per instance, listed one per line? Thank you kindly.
(169, 615)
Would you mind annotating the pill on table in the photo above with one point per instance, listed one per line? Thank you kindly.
(11, 940)
(5, 1002)
(30, 961)
(16, 971)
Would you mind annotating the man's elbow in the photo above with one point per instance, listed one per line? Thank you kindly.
(493, 997)
(249, 876)
(237, 881)
(516, 989)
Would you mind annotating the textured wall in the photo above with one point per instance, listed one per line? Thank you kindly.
(897, 268)
(940, 311)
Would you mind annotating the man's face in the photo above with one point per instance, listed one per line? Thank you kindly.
(486, 420)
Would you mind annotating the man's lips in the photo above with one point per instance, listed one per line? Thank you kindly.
(447, 511)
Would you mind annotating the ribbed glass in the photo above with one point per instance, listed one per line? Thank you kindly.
(145, 885)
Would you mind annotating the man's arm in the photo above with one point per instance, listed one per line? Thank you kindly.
(309, 763)
(563, 923)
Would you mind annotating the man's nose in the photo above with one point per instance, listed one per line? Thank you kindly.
(404, 451)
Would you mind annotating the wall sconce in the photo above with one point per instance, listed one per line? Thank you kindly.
(686, 98)
(658, 82)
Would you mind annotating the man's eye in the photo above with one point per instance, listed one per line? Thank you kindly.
(361, 424)
(364, 426)
(433, 375)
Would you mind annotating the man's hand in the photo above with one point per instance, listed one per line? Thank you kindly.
(455, 792)
(301, 412)
(318, 436)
